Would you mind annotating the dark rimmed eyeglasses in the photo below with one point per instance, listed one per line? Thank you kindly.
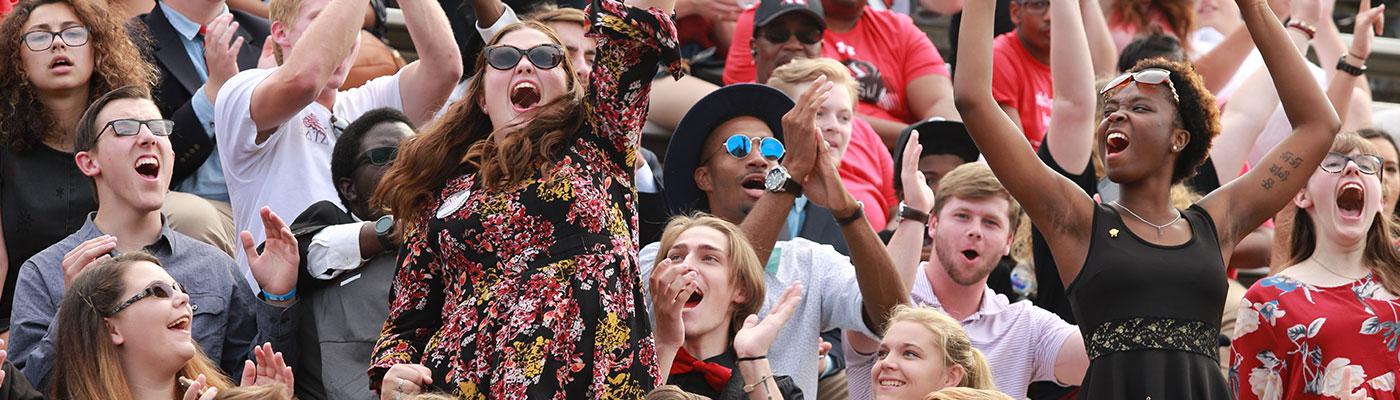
(1150, 76)
(544, 56)
(780, 35)
(379, 156)
(131, 127)
(72, 36)
(161, 290)
(1336, 162)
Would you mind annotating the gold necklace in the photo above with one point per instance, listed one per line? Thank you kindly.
(1330, 271)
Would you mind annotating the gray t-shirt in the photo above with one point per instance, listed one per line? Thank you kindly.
(831, 299)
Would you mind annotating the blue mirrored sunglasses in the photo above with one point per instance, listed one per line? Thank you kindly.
(740, 145)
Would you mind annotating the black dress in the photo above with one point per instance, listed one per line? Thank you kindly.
(1151, 314)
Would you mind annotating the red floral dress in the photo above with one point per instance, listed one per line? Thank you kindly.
(1297, 341)
(533, 290)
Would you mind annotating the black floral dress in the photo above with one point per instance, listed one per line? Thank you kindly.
(533, 290)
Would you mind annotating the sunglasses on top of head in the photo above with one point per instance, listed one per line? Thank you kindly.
(504, 57)
(1149, 76)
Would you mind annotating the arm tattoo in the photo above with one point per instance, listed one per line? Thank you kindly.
(1281, 172)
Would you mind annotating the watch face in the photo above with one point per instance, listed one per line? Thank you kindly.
(775, 179)
(383, 225)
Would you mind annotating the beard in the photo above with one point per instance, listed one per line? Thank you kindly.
(950, 260)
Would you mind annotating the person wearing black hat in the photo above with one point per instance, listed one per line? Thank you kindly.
(946, 145)
(778, 31)
(724, 159)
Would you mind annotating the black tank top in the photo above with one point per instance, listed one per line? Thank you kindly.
(1150, 314)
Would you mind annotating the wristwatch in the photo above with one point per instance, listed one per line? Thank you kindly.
(909, 213)
(855, 216)
(1350, 69)
(383, 228)
(778, 181)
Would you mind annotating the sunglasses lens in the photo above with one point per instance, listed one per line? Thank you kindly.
(546, 57)
(383, 155)
(162, 290)
(811, 36)
(1152, 76)
(775, 35)
(503, 57)
(737, 146)
(1115, 84)
(771, 148)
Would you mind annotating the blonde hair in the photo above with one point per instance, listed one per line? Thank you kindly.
(949, 336)
(975, 181)
(961, 393)
(748, 271)
(284, 11)
(550, 13)
(805, 70)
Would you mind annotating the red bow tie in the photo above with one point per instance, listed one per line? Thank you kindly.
(716, 375)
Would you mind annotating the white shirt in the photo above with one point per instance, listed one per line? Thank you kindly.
(1021, 341)
(830, 299)
(335, 249)
(291, 169)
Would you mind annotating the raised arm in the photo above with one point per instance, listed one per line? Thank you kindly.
(1071, 131)
(1244, 117)
(425, 84)
(306, 70)
(1345, 89)
(631, 42)
(763, 223)
(907, 245)
(1101, 47)
(1241, 205)
(1050, 199)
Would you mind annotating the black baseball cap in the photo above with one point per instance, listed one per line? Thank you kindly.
(938, 136)
(687, 142)
(770, 10)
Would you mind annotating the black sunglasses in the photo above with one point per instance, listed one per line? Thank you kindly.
(131, 127)
(1336, 162)
(72, 36)
(777, 35)
(379, 156)
(162, 290)
(544, 56)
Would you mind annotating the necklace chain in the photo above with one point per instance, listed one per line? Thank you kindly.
(1330, 271)
(1140, 218)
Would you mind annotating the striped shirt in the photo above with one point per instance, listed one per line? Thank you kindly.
(1021, 341)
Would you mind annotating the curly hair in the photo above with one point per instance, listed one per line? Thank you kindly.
(116, 63)
(1195, 112)
(463, 141)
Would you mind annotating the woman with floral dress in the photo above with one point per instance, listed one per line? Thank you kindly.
(518, 274)
(1328, 326)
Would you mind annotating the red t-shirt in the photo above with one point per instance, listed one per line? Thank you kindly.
(885, 52)
(866, 171)
(1022, 82)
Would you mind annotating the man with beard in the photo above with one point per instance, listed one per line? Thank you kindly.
(974, 221)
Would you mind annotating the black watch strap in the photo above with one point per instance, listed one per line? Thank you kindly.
(855, 216)
(791, 186)
(911, 214)
(1348, 68)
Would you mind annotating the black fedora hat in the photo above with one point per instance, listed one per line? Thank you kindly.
(938, 136)
(683, 153)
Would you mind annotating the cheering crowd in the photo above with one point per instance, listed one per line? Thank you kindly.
(685, 199)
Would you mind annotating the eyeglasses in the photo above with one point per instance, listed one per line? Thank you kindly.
(43, 40)
(544, 56)
(778, 35)
(1150, 76)
(1336, 162)
(131, 127)
(1035, 6)
(379, 156)
(741, 145)
(159, 289)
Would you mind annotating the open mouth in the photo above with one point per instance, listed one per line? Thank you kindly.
(148, 167)
(60, 61)
(694, 299)
(970, 255)
(181, 324)
(524, 95)
(1351, 200)
(1115, 143)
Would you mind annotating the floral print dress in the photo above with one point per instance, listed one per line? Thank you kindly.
(533, 290)
(1298, 341)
